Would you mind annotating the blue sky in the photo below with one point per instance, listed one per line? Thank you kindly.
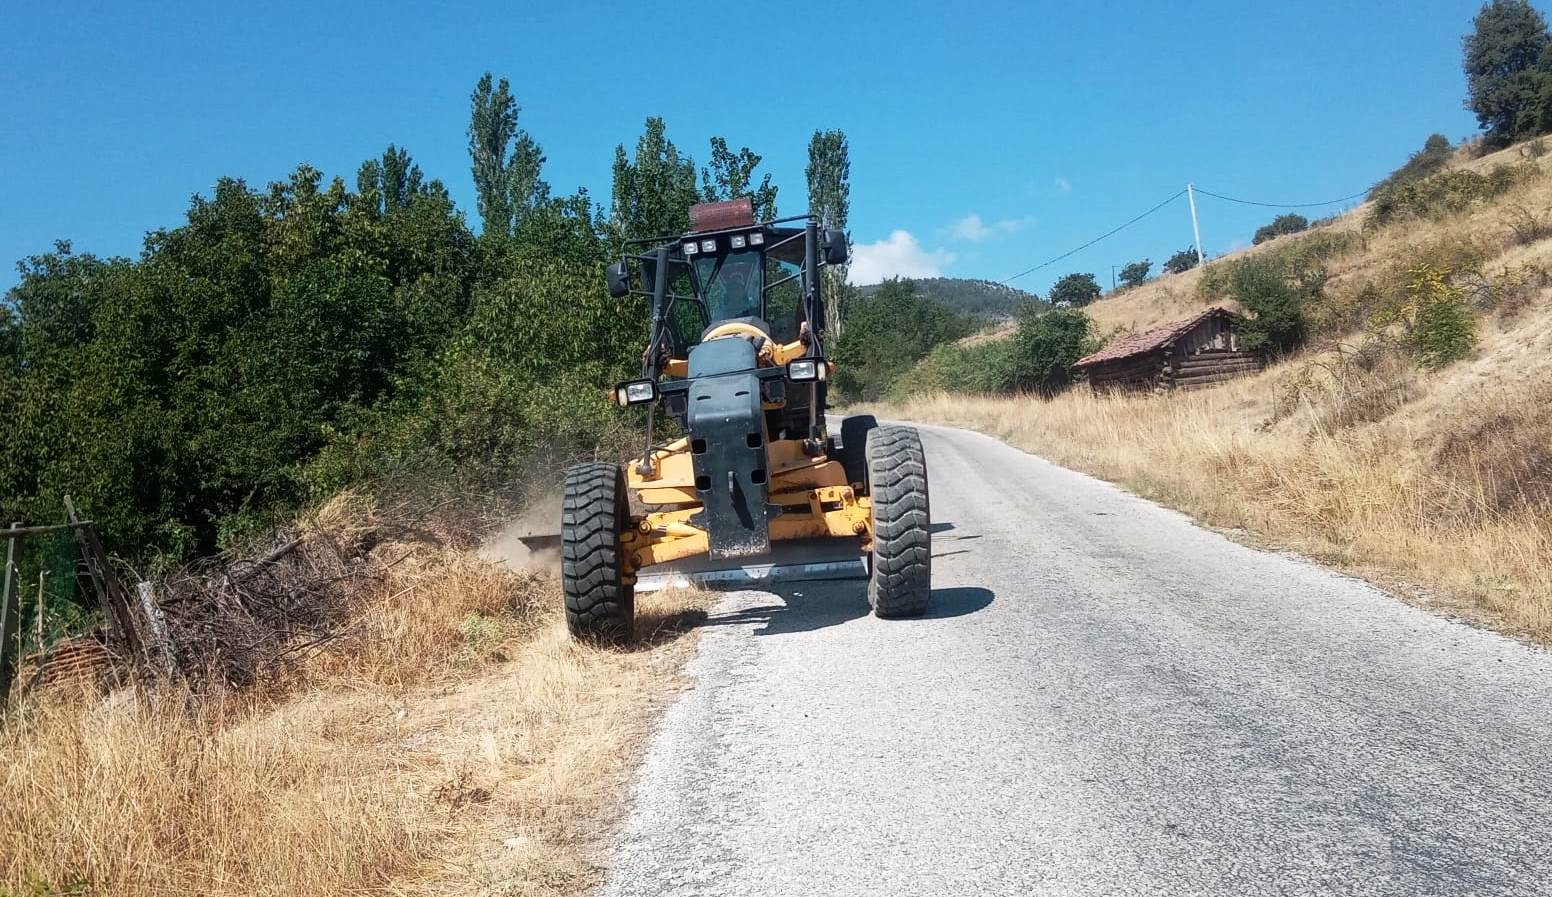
(1048, 123)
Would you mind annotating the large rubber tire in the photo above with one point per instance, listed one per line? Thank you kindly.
(854, 447)
(600, 606)
(901, 581)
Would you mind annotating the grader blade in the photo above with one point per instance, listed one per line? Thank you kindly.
(795, 561)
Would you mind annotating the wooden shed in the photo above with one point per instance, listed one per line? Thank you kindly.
(1195, 352)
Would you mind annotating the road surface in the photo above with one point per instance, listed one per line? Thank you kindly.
(1104, 699)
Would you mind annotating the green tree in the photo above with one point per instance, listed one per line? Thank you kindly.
(1276, 304)
(1282, 224)
(1508, 40)
(829, 197)
(730, 175)
(653, 192)
(1136, 274)
(1182, 261)
(1075, 290)
(886, 334)
(505, 160)
(1046, 345)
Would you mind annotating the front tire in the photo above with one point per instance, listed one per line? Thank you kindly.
(600, 604)
(900, 584)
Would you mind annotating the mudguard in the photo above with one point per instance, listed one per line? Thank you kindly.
(727, 448)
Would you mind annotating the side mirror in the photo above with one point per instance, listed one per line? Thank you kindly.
(618, 279)
(835, 248)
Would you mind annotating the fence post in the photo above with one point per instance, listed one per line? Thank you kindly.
(158, 642)
(8, 663)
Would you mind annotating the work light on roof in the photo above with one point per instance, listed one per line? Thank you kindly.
(690, 248)
(738, 241)
(757, 239)
(708, 246)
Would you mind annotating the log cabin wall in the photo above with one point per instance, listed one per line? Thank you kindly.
(1192, 354)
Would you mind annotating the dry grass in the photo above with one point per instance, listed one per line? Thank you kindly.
(456, 742)
(1442, 480)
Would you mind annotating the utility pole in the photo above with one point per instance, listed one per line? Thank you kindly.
(1112, 278)
(1196, 228)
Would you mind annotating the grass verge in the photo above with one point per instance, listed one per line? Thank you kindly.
(456, 742)
(1394, 502)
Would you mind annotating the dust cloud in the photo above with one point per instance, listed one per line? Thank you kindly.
(540, 518)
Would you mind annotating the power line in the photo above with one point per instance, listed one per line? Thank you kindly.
(1282, 205)
(1109, 233)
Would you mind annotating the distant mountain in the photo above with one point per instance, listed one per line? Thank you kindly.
(981, 298)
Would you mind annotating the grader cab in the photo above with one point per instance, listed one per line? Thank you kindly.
(735, 359)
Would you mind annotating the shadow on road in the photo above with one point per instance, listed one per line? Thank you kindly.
(807, 606)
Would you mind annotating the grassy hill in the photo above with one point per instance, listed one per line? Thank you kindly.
(978, 298)
(1410, 440)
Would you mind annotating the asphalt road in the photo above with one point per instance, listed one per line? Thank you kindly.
(1104, 699)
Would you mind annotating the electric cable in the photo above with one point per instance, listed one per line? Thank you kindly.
(1281, 205)
(1109, 233)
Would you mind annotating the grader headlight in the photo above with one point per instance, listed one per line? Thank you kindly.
(635, 392)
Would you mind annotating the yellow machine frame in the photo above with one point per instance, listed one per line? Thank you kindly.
(816, 499)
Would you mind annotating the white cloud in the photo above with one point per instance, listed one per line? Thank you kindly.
(899, 256)
(974, 230)
(1064, 185)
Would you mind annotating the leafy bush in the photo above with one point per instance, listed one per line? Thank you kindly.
(1046, 346)
(1136, 274)
(1182, 261)
(1277, 287)
(1281, 225)
(1427, 161)
(1441, 329)
(1075, 290)
(1038, 357)
(1448, 193)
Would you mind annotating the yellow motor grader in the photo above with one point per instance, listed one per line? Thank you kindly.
(735, 357)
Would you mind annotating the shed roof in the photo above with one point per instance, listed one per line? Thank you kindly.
(1149, 340)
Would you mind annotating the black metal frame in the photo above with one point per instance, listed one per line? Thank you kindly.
(669, 250)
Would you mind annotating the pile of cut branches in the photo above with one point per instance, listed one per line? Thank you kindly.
(240, 617)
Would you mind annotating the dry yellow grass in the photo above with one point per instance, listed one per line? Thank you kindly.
(457, 742)
(1366, 500)
(1438, 479)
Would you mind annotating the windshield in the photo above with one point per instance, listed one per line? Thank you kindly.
(730, 285)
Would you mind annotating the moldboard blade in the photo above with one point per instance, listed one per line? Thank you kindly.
(796, 561)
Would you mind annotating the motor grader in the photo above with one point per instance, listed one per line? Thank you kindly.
(735, 358)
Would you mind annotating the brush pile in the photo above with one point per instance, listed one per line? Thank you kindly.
(240, 617)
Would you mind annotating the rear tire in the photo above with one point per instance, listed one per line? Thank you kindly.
(900, 583)
(600, 605)
(854, 445)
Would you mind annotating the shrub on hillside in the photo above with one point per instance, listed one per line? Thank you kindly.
(1277, 288)
(1427, 161)
(1136, 274)
(1281, 225)
(1182, 261)
(1441, 328)
(1038, 357)
(1448, 193)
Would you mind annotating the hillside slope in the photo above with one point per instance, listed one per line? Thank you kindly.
(1353, 450)
(979, 298)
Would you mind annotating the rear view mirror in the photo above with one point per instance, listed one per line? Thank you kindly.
(835, 248)
(618, 279)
